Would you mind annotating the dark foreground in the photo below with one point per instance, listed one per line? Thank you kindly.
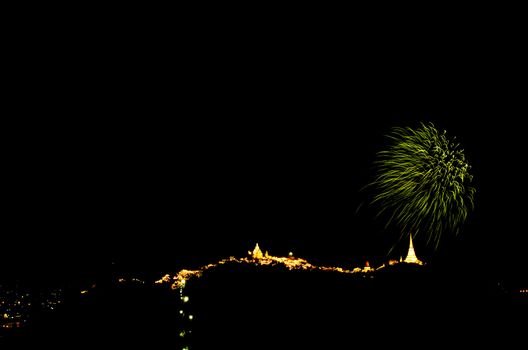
(245, 307)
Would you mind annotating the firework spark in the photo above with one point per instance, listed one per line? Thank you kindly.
(423, 182)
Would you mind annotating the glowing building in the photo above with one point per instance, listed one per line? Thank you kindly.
(367, 268)
(257, 253)
(411, 255)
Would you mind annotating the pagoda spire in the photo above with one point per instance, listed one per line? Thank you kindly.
(257, 253)
(411, 255)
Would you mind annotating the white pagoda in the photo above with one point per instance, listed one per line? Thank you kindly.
(411, 255)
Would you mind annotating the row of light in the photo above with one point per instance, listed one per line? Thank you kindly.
(181, 282)
(290, 262)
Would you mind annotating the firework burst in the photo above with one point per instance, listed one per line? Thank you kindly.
(422, 183)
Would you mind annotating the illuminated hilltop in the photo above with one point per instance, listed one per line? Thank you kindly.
(300, 298)
(256, 257)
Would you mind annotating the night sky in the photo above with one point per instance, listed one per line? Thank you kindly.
(159, 158)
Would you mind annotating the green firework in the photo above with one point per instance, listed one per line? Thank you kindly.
(422, 182)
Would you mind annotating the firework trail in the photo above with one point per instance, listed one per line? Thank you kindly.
(422, 183)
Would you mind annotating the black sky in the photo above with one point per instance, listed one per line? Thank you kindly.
(157, 154)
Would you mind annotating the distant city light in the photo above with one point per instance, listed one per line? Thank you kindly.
(185, 299)
(191, 317)
(16, 308)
